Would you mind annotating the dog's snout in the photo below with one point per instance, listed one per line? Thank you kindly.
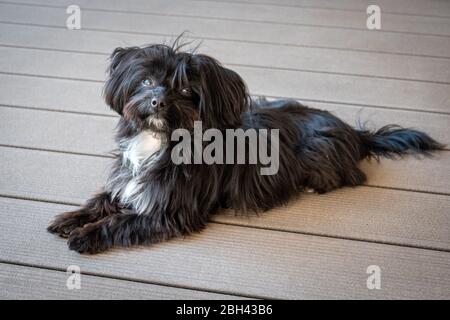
(157, 102)
(157, 95)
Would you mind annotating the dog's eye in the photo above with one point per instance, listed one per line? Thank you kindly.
(148, 82)
(186, 92)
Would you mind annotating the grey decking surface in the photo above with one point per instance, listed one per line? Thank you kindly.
(56, 132)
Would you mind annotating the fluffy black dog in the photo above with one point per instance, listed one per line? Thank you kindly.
(148, 198)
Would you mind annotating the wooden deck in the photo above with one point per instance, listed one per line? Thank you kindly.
(56, 132)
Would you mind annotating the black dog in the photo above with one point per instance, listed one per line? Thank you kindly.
(148, 198)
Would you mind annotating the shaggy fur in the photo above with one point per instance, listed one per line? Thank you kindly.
(147, 198)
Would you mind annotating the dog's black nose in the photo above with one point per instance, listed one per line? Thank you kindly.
(157, 102)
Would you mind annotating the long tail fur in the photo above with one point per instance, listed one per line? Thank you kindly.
(392, 141)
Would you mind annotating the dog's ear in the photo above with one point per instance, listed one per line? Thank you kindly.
(223, 94)
(116, 86)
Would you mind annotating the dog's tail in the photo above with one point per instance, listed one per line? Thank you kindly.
(392, 141)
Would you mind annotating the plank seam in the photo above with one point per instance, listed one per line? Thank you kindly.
(97, 155)
(362, 105)
(111, 156)
(254, 66)
(255, 95)
(50, 77)
(59, 111)
(323, 235)
(409, 189)
(115, 31)
(59, 202)
(273, 4)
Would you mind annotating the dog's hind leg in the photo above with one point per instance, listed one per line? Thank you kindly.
(353, 177)
(322, 181)
(98, 207)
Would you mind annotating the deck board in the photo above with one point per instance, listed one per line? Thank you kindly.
(284, 35)
(301, 266)
(56, 133)
(263, 13)
(53, 94)
(388, 93)
(71, 132)
(250, 54)
(22, 282)
(430, 175)
(73, 178)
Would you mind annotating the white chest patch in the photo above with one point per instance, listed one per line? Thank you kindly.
(140, 151)
(141, 148)
(130, 190)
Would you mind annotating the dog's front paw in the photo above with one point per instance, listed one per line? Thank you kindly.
(65, 223)
(92, 238)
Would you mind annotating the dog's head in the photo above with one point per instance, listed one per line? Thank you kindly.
(160, 88)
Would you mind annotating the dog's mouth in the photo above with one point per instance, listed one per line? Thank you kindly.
(145, 116)
(156, 122)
